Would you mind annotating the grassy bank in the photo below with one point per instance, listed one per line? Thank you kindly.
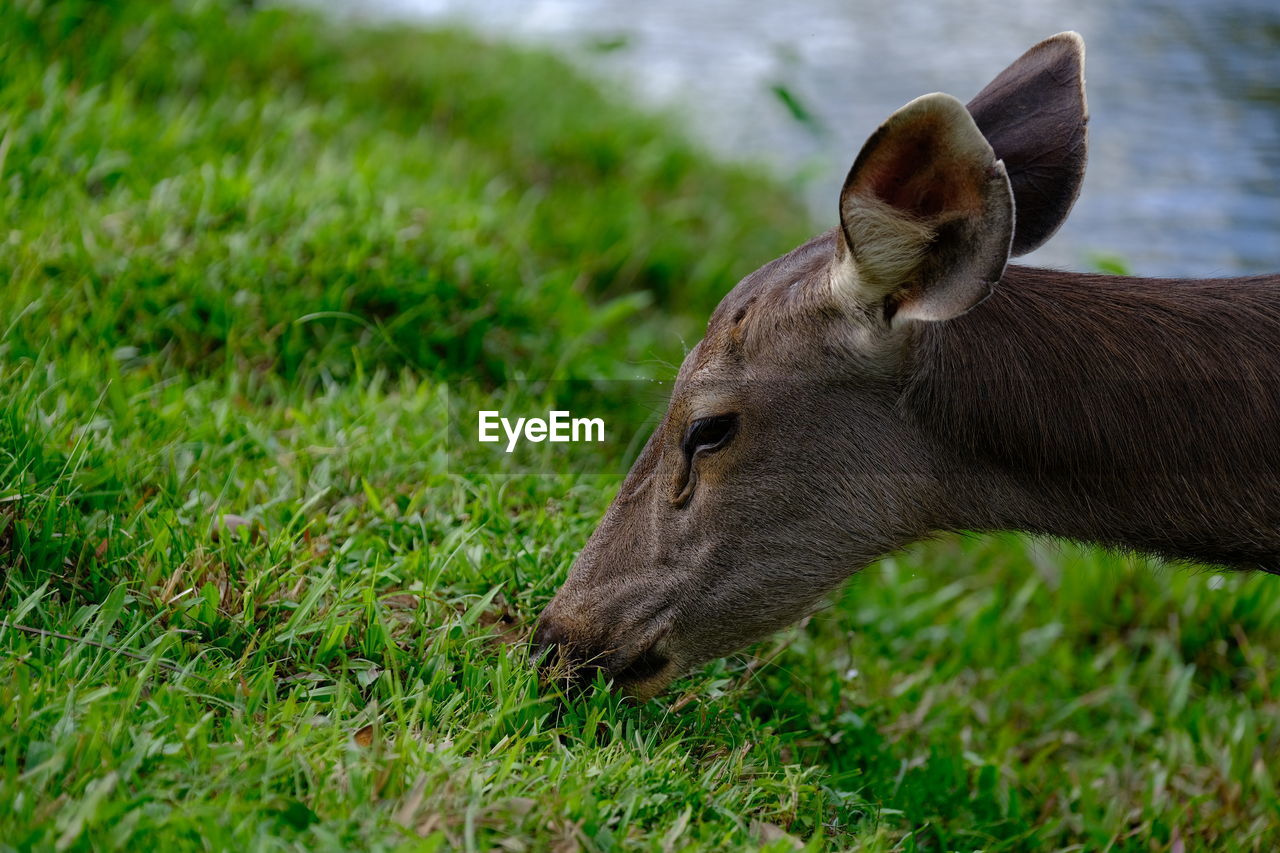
(243, 252)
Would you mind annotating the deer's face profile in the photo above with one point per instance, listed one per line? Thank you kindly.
(785, 461)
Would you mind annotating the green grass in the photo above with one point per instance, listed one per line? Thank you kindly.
(243, 254)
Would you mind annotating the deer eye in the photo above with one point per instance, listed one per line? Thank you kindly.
(707, 435)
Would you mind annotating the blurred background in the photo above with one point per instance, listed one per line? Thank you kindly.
(1184, 97)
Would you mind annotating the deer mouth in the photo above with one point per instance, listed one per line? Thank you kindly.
(646, 678)
(645, 666)
(574, 664)
(626, 666)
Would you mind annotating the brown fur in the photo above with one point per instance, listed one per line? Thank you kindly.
(878, 396)
(1142, 413)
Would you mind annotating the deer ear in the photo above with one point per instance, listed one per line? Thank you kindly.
(1034, 115)
(927, 215)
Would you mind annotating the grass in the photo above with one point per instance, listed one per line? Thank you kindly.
(247, 606)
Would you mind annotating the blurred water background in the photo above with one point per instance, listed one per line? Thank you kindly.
(1184, 97)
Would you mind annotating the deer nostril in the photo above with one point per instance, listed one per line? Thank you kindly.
(548, 641)
(561, 658)
(564, 660)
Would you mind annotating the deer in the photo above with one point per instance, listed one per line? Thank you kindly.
(896, 378)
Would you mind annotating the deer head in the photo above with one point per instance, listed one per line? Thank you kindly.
(785, 461)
